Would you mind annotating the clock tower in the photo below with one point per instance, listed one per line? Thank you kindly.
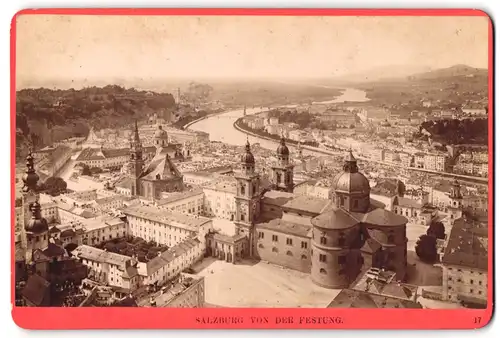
(247, 197)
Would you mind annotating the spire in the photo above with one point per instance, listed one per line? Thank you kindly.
(247, 157)
(136, 132)
(30, 177)
(350, 163)
(283, 140)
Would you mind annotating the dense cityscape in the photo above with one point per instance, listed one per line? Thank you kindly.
(331, 195)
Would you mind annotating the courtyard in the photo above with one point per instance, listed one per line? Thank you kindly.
(259, 284)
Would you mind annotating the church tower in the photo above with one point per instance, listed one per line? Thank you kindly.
(247, 198)
(35, 232)
(283, 170)
(30, 182)
(456, 200)
(136, 162)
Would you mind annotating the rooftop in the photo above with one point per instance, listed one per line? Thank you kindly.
(226, 184)
(162, 216)
(467, 245)
(98, 255)
(285, 227)
(310, 204)
(178, 196)
(349, 298)
(168, 256)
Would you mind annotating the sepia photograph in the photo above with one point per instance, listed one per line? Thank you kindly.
(252, 161)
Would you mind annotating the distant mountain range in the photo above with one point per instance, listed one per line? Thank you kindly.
(381, 73)
(453, 71)
(400, 73)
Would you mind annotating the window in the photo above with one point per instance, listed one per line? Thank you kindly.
(472, 281)
(275, 238)
(322, 240)
(303, 257)
(390, 238)
(355, 204)
(342, 240)
(303, 245)
(480, 282)
(242, 190)
(261, 246)
(242, 217)
(322, 271)
(288, 241)
(261, 234)
(480, 292)
(322, 258)
(289, 253)
(275, 250)
(341, 259)
(449, 278)
(471, 290)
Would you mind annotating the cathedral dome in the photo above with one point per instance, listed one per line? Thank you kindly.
(351, 181)
(247, 157)
(37, 224)
(282, 149)
(161, 133)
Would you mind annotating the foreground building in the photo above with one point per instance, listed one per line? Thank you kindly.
(465, 264)
(333, 239)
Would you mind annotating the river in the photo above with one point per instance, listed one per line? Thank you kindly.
(220, 127)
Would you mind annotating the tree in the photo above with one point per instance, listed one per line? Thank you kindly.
(426, 249)
(54, 186)
(95, 170)
(86, 170)
(437, 230)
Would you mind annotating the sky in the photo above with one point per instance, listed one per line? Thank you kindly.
(153, 47)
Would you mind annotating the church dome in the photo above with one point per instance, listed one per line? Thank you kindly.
(351, 181)
(282, 149)
(247, 157)
(37, 224)
(161, 133)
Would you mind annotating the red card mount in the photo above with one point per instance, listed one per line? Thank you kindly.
(150, 317)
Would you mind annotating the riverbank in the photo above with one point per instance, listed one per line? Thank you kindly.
(262, 134)
(473, 179)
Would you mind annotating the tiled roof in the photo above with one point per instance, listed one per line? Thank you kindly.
(314, 205)
(171, 254)
(161, 166)
(285, 227)
(467, 245)
(179, 196)
(98, 255)
(37, 291)
(349, 298)
(336, 218)
(407, 202)
(178, 220)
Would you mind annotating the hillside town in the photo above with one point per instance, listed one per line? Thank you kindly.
(156, 216)
(259, 161)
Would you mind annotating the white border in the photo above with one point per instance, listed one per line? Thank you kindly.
(9, 8)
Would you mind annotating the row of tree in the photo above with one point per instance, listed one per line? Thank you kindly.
(426, 247)
(449, 132)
